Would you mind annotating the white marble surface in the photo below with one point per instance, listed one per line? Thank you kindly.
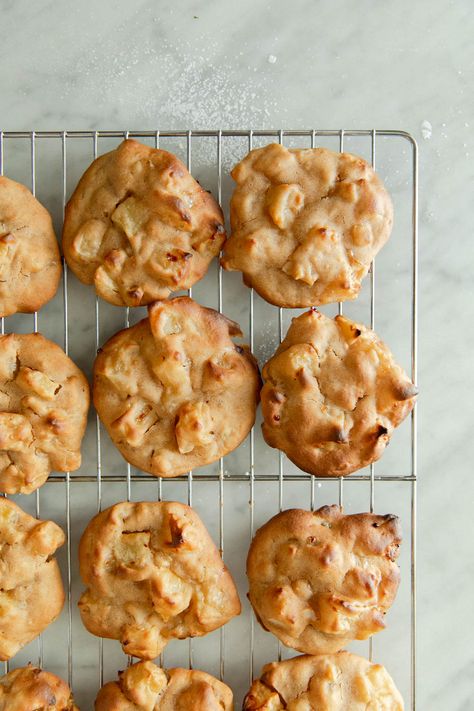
(337, 64)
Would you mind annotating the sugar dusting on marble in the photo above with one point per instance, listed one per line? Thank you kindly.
(267, 341)
(189, 88)
(426, 129)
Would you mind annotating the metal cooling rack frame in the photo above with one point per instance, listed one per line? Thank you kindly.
(66, 480)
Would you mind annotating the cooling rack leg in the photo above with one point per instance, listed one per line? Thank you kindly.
(414, 433)
(95, 136)
(2, 322)
(251, 470)
(68, 479)
(220, 303)
(372, 326)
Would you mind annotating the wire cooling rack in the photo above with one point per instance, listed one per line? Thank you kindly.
(241, 491)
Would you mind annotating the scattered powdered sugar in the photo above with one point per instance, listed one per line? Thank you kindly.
(266, 341)
(205, 95)
(171, 83)
(426, 129)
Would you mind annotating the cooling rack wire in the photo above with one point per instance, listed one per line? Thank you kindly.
(214, 143)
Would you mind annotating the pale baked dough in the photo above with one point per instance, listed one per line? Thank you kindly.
(333, 395)
(174, 391)
(33, 689)
(44, 400)
(30, 263)
(152, 574)
(306, 224)
(327, 682)
(138, 226)
(146, 687)
(318, 580)
(31, 589)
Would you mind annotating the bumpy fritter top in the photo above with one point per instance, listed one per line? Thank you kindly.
(33, 689)
(152, 573)
(138, 226)
(31, 589)
(333, 395)
(326, 682)
(306, 224)
(30, 264)
(319, 580)
(44, 400)
(146, 687)
(174, 391)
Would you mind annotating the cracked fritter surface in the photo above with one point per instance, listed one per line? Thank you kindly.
(32, 689)
(174, 391)
(319, 580)
(326, 682)
(30, 264)
(306, 224)
(146, 687)
(31, 589)
(44, 400)
(153, 574)
(333, 395)
(139, 226)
